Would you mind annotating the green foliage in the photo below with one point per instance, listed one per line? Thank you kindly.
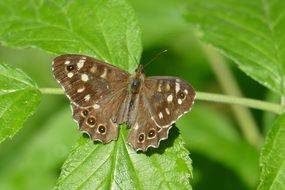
(35, 164)
(249, 32)
(218, 131)
(19, 98)
(272, 157)
(117, 166)
(107, 30)
(104, 29)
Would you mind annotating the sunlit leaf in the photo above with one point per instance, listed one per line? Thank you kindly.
(117, 166)
(106, 29)
(251, 33)
(19, 98)
(272, 157)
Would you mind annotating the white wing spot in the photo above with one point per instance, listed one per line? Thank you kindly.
(69, 75)
(159, 86)
(66, 62)
(177, 87)
(160, 115)
(96, 106)
(80, 64)
(186, 91)
(87, 97)
(169, 98)
(84, 77)
(179, 101)
(81, 89)
(136, 126)
(167, 111)
(104, 73)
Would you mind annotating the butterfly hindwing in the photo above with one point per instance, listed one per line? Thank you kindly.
(100, 121)
(145, 133)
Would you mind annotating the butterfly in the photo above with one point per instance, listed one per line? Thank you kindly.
(103, 97)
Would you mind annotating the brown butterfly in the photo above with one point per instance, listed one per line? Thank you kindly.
(103, 96)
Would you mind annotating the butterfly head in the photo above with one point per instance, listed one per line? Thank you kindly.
(139, 71)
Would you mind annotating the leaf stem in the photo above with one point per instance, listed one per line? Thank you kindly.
(252, 103)
(230, 86)
(56, 91)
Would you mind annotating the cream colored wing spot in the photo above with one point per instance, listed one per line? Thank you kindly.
(177, 87)
(87, 97)
(96, 106)
(80, 64)
(167, 111)
(160, 115)
(169, 98)
(70, 75)
(104, 74)
(79, 90)
(84, 77)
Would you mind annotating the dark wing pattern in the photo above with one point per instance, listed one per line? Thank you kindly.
(94, 88)
(145, 133)
(161, 102)
(169, 98)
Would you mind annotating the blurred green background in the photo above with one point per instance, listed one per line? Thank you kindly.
(222, 159)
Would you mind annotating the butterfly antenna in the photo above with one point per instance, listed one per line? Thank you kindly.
(155, 57)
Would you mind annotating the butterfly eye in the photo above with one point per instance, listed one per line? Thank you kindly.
(91, 120)
(141, 138)
(102, 129)
(151, 133)
(70, 67)
(84, 112)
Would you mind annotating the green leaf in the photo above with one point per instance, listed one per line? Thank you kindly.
(19, 98)
(249, 32)
(272, 158)
(40, 156)
(217, 139)
(106, 29)
(117, 166)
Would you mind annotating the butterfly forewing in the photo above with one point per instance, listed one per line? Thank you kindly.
(169, 98)
(96, 90)
(87, 80)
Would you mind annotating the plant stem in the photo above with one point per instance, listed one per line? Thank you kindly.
(252, 103)
(57, 91)
(229, 86)
(256, 104)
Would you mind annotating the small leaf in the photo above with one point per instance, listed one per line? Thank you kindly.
(117, 166)
(19, 98)
(106, 29)
(249, 32)
(272, 158)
